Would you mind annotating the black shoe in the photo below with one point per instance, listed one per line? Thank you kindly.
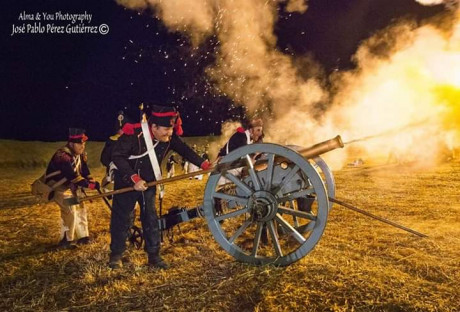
(84, 241)
(115, 262)
(65, 244)
(157, 263)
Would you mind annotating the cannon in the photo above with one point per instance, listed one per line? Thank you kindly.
(253, 208)
(265, 203)
(264, 200)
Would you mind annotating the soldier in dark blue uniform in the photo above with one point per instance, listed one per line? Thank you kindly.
(242, 137)
(106, 154)
(135, 168)
(253, 134)
(170, 166)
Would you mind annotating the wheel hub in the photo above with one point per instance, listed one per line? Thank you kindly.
(263, 206)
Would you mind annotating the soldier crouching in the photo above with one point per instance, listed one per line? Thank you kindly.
(68, 173)
(135, 167)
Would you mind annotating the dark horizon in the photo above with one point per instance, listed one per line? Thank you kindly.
(51, 82)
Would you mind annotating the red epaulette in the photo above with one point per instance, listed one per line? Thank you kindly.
(130, 128)
(240, 130)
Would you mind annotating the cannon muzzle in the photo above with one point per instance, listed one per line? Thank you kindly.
(321, 148)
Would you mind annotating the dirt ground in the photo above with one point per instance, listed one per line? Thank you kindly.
(359, 264)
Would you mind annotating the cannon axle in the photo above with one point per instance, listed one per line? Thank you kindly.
(262, 206)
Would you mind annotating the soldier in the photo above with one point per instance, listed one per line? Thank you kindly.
(241, 137)
(192, 167)
(68, 169)
(205, 156)
(137, 155)
(106, 155)
(170, 166)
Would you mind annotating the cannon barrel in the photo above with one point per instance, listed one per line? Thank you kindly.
(321, 148)
(307, 152)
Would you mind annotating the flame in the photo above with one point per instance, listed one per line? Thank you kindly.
(415, 91)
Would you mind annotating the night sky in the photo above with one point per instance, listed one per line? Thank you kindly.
(50, 82)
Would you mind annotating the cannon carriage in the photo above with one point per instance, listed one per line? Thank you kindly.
(271, 211)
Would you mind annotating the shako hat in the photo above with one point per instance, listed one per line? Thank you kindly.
(166, 116)
(122, 119)
(77, 135)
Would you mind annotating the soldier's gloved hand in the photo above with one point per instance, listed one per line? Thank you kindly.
(140, 186)
(94, 185)
(205, 165)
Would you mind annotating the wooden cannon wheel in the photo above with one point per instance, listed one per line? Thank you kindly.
(260, 225)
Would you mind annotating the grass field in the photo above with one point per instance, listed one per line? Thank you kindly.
(33, 154)
(359, 264)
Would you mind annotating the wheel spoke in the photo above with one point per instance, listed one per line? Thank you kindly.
(238, 183)
(257, 240)
(292, 205)
(306, 227)
(232, 214)
(241, 200)
(290, 229)
(297, 213)
(253, 174)
(269, 176)
(295, 195)
(287, 178)
(240, 231)
(274, 237)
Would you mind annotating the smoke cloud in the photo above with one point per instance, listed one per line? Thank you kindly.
(405, 85)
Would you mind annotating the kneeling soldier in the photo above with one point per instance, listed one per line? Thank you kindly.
(137, 155)
(72, 174)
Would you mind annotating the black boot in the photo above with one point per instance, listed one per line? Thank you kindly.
(115, 262)
(155, 261)
(84, 241)
(65, 244)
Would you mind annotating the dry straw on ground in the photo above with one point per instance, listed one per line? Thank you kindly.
(359, 264)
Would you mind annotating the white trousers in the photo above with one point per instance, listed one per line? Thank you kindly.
(74, 218)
